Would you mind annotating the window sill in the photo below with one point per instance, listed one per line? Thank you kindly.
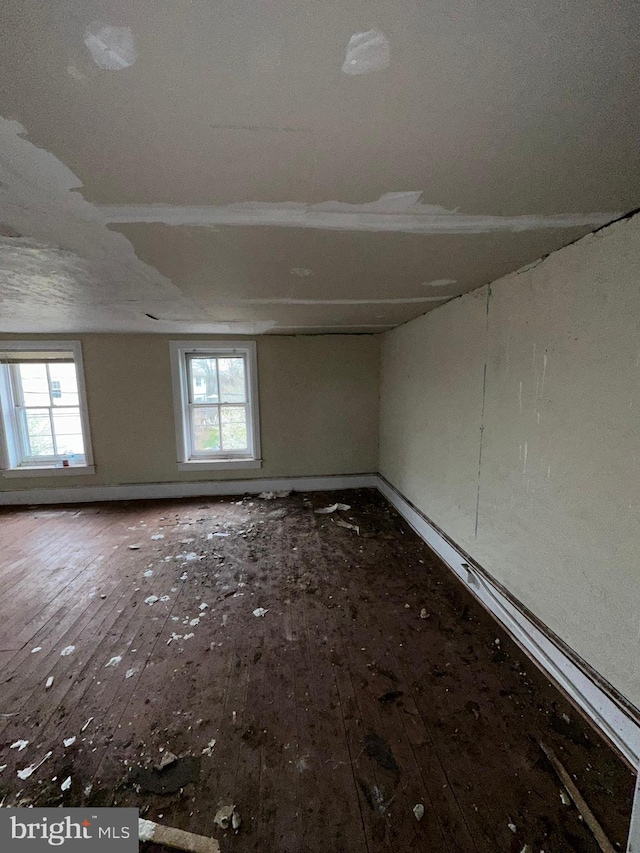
(49, 471)
(218, 464)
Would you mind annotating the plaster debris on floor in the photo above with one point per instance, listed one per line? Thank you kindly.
(306, 685)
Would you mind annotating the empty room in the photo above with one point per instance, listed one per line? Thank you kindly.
(319, 426)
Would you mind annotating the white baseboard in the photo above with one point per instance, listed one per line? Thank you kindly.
(606, 714)
(203, 488)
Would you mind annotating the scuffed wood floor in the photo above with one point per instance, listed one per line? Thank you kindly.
(333, 714)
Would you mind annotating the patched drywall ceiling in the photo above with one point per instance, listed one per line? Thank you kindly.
(287, 168)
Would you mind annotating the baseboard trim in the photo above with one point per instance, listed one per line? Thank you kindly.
(612, 714)
(202, 488)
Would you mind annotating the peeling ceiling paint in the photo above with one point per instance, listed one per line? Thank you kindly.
(263, 169)
(71, 271)
(401, 212)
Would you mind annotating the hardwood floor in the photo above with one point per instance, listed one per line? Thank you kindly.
(333, 714)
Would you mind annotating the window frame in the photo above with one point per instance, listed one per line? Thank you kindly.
(14, 460)
(188, 459)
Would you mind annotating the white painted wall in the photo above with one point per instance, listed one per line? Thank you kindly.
(546, 370)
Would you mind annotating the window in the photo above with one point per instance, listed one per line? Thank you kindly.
(216, 402)
(44, 412)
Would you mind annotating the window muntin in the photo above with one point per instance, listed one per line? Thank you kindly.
(47, 410)
(218, 404)
(43, 407)
(215, 389)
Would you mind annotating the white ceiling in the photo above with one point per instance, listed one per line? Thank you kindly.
(286, 168)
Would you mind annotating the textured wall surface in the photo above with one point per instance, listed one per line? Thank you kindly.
(543, 370)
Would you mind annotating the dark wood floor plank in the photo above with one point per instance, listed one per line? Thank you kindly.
(292, 698)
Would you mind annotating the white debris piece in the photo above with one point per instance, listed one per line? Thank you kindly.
(194, 622)
(164, 598)
(158, 536)
(186, 541)
(3, 767)
(114, 661)
(209, 747)
(564, 797)
(19, 745)
(348, 526)
(259, 611)
(418, 811)
(223, 816)
(68, 650)
(148, 573)
(188, 636)
(366, 52)
(191, 557)
(37, 649)
(183, 576)
(87, 724)
(130, 673)
(134, 547)
(203, 606)
(146, 828)
(173, 638)
(333, 508)
(151, 600)
(48, 682)
(66, 784)
(28, 771)
(220, 534)
(424, 614)
(69, 741)
(512, 827)
(235, 821)
(267, 496)
(167, 758)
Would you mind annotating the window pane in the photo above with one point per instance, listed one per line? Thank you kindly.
(68, 430)
(232, 388)
(206, 428)
(64, 384)
(204, 382)
(35, 387)
(39, 432)
(234, 427)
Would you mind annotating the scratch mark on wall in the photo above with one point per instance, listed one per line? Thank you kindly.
(484, 394)
(520, 395)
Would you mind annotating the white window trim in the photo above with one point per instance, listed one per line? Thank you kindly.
(9, 454)
(179, 350)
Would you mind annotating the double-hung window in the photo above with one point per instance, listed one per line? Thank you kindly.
(43, 406)
(216, 404)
